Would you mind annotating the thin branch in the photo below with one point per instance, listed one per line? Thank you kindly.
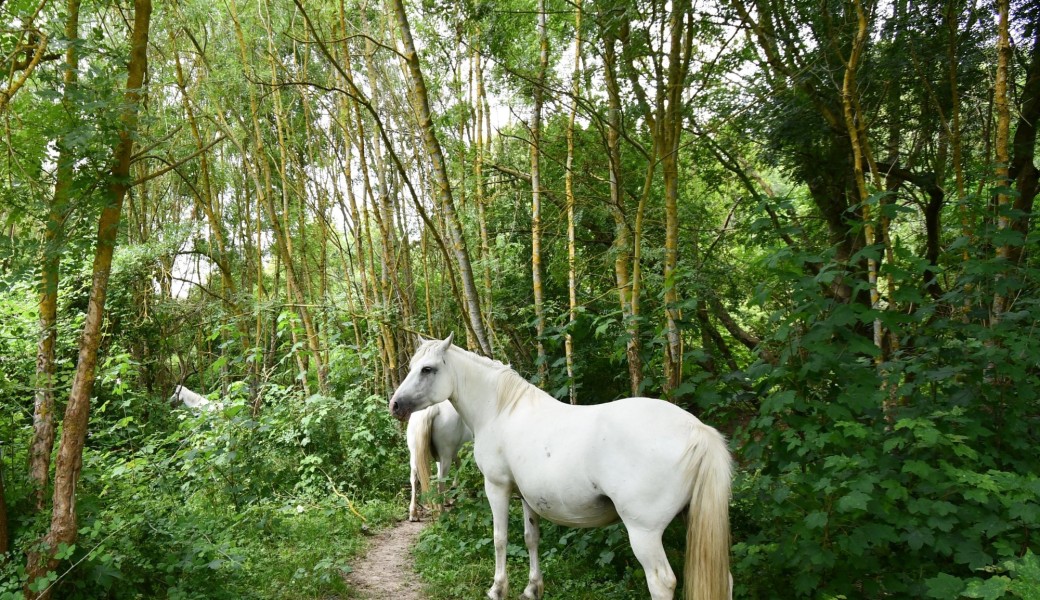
(172, 166)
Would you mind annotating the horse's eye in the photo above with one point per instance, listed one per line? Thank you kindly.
(427, 370)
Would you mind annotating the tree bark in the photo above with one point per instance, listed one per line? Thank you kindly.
(670, 132)
(1002, 173)
(1023, 168)
(665, 120)
(536, 198)
(572, 276)
(433, 147)
(850, 103)
(42, 445)
(297, 284)
(622, 245)
(482, 134)
(63, 526)
(206, 200)
(5, 530)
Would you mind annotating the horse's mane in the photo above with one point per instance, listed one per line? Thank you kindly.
(429, 345)
(513, 389)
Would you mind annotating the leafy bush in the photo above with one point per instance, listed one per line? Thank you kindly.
(222, 503)
(845, 498)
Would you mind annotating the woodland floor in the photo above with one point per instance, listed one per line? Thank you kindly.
(387, 571)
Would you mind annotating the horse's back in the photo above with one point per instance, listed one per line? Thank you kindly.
(597, 459)
(649, 438)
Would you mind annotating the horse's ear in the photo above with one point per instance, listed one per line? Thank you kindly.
(419, 340)
(447, 342)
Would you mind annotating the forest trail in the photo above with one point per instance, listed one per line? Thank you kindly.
(386, 572)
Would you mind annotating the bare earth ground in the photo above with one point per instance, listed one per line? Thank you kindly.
(386, 572)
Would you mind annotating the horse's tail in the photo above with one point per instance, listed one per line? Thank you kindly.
(707, 574)
(422, 445)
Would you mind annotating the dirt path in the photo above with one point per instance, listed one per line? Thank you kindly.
(386, 571)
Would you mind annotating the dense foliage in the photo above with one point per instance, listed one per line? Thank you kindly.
(225, 503)
(809, 223)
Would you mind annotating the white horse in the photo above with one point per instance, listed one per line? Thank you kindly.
(434, 433)
(193, 400)
(189, 398)
(638, 459)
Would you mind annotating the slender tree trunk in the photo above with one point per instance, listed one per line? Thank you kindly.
(433, 147)
(398, 289)
(5, 530)
(63, 526)
(665, 121)
(297, 285)
(536, 198)
(207, 200)
(1003, 158)
(1022, 168)
(634, 325)
(670, 132)
(622, 236)
(852, 126)
(42, 445)
(572, 277)
(956, 147)
(478, 175)
(38, 50)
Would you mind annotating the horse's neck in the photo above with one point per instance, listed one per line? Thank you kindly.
(514, 389)
(484, 391)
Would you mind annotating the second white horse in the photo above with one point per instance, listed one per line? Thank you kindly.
(435, 433)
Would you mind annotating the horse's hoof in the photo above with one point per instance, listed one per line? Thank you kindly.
(533, 592)
(497, 593)
(413, 518)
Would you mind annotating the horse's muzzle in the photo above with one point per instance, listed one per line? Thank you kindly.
(398, 409)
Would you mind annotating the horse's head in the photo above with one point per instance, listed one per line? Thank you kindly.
(428, 381)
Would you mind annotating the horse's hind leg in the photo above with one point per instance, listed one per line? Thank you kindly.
(646, 545)
(413, 506)
(532, 535)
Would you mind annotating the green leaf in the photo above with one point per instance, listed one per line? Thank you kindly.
(990, 589)
(944, 586)
(816, 520)
(855, 500)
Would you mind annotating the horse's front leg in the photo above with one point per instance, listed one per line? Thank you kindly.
(498, 498)
(535, 586)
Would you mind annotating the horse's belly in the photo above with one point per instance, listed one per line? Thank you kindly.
(582, 510)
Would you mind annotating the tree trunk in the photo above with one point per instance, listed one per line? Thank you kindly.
(1001, 103)
(670, 126)
(536, 198)
(622, 233)
(433, 147)
(850, 104)
(42, 445)
(478, 175)
(5, 530)
(1022, 167)
(63, 527)
(665, 121)
(297, 284)
(572, 277)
